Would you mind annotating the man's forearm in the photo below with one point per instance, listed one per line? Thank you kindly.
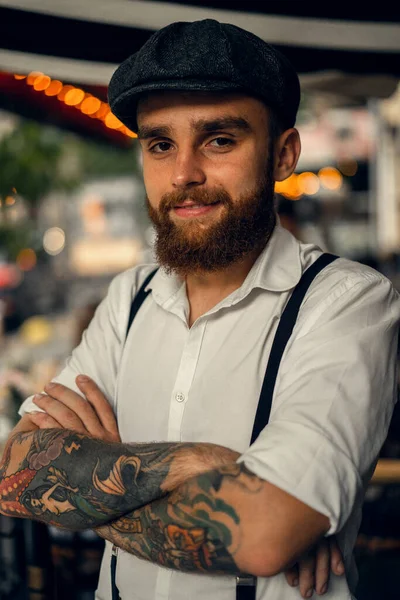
(74, 481)
(193, 528)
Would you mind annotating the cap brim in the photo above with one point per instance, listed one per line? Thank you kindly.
(125, 105)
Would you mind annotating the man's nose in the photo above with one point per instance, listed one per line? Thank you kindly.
(187, 170)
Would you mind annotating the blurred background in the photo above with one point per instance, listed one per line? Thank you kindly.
(72, 213)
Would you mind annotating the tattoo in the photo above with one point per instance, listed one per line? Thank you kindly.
(75, 481)
(192, 529)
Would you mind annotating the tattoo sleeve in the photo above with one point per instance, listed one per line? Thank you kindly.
(74, 481)
(193, 529)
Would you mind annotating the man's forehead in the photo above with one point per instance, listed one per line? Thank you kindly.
(198, 106)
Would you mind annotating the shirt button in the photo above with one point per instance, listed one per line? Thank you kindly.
(179, 397)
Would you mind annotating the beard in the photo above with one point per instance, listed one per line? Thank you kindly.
(200, 245)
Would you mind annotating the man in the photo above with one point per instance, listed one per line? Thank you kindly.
(214, 108)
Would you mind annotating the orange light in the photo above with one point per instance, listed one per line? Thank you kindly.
(54, 88)
(330, 178)
(129, 133)
(289, 187)
(64, 91)
(19, 76)
(308, 183)
(10, 200)
(112, 122)
(26, 259)
(90, 105)
(74, 97)
(33, 75)
(103, 111)
(41, 83)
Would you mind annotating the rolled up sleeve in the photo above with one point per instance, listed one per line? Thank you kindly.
(334, 398)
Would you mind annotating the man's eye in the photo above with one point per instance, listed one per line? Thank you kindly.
(221, 142)
(160, 147)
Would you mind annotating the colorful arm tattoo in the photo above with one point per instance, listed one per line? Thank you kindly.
(74, 481)
(193, 529)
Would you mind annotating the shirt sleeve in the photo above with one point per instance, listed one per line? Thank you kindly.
(334, 397)
(99, 352)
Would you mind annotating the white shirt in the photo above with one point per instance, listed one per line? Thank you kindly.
(333, 398)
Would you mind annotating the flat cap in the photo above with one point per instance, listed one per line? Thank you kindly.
(206, 56)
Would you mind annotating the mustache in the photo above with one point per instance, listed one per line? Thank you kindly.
(198, 196)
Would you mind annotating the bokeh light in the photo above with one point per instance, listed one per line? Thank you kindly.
(74, 97)
(90, 105)
(54, 88)
(54, 241)
(33, 75)
(64, 91)
(41, 83)
(330, 178)
(289, 187)
(112, 122)
(26, 259)
(348, 166)
(308, 183)
(36, 330)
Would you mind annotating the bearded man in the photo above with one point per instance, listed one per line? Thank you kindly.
(205, 490)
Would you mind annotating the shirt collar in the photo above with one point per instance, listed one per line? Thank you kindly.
(277, 269)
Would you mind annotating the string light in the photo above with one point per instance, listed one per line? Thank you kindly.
(54, 88)
(41, 83)
(75, 97)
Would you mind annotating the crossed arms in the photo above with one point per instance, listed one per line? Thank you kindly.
(185, 506)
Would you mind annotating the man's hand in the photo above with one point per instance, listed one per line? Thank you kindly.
(66, 409)
(312, 571)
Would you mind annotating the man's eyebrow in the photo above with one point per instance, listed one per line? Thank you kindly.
(208, 126)
(146, 132)
(153, 131)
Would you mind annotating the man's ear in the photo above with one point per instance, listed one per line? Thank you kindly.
(286, 155)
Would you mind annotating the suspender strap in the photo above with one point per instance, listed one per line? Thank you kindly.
(139, 298)
(283, 333)
(246, 587)
(114, 589)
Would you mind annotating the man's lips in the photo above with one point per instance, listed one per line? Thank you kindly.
(193, 209)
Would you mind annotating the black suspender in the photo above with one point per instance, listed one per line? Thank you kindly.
(246, 585)
(282, 335)
(138, 300)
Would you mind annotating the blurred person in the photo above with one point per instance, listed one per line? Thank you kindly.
(190, 514)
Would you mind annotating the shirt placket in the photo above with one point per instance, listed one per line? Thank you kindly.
(178, 401)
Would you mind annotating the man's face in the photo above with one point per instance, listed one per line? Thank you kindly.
(208, 177)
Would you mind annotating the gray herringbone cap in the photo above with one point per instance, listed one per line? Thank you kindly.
(206, 56)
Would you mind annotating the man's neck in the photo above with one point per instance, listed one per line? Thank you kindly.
(205, 290)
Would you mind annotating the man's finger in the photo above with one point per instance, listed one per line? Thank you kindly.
(100, 404)
(307, 575)
(322, 567)
(292, 576)
(337, 564)
(44, 421)
(73, 403)
(60, 412)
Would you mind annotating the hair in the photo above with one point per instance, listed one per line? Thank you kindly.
(275, 128)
